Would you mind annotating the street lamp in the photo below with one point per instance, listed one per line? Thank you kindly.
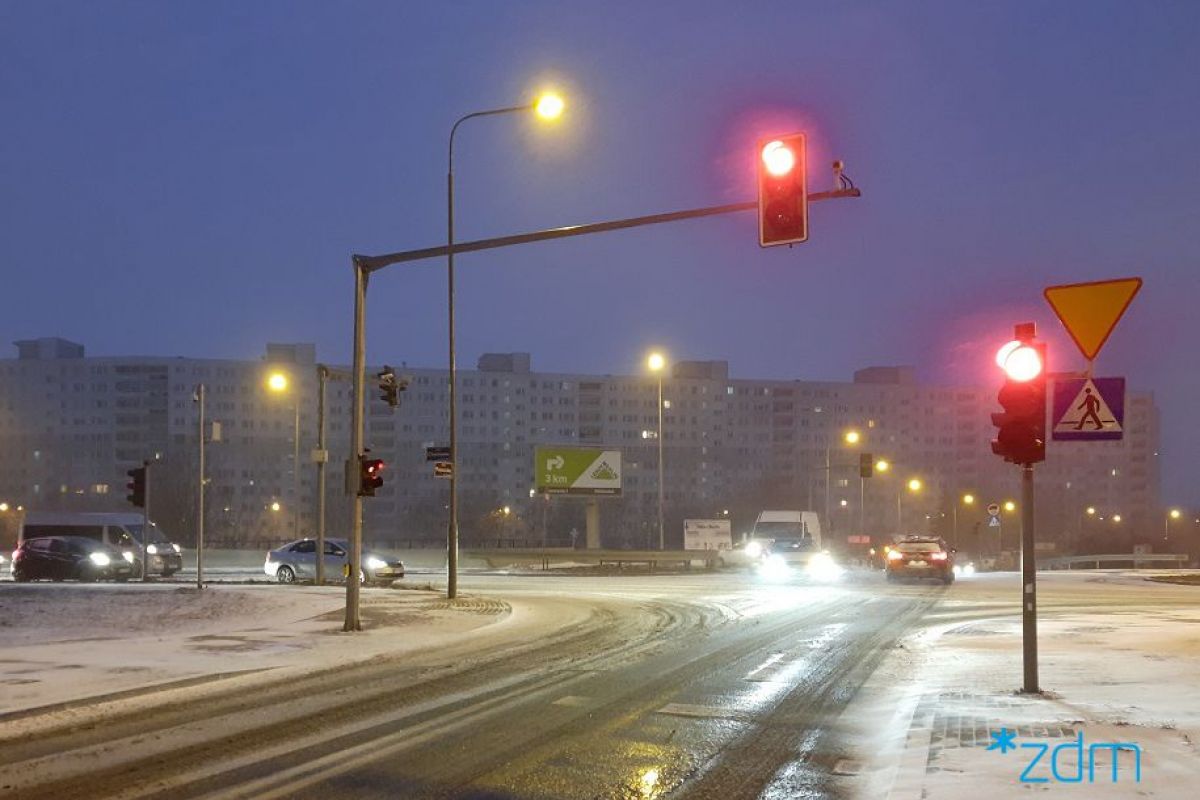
(1010, 506)
(914, 485)
(1116, 518)
(657, 363)
(850, 437)
(278, 383)
(967, 500)
(549, 106)
(1174, 513)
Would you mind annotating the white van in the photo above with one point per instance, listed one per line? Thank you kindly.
(795, 535)
(121, 530)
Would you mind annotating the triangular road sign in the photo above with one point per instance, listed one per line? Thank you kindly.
(1090, 311)
(994, 522)
(1088, 412)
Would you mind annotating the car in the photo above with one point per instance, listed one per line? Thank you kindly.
(121, 530)
(70, 558)
(298, 561)
(920, 557)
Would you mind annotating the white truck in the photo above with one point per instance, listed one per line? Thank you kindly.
(794, 535)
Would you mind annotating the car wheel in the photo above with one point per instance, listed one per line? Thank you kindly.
(285, 574)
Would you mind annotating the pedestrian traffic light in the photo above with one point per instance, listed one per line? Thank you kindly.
(388, 387)
(1021, 426)
(866, 465)
(370, 475)
(782, 190)
(137, 487)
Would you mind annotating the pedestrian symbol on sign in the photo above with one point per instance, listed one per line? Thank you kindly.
(1092, 404)
(1089, 408)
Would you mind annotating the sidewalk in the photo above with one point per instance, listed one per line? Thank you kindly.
(1129, 677)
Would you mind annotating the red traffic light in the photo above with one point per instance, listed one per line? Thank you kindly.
(782, 190)
(1021, 361)
(370, 475)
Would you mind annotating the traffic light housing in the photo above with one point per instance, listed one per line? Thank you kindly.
(866, 465)
(370, 475)
(390, 386)
(782, 190)
(136, 487)
(1021, 426)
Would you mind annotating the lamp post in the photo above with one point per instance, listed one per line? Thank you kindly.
(850, 437)
(657, 362)
(1174, 513)
(914, 486)
(967, 500)
(548, 106)
(278, 382)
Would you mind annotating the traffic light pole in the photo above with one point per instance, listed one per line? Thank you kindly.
(1028, 582)
(364, 265)
(145, 520)
(200, 497)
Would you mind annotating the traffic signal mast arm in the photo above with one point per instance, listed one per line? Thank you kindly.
(374, 263)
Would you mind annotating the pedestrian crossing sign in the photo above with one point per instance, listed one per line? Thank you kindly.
(1089, 409)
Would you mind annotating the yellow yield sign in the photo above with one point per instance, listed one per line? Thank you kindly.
(1090, 311)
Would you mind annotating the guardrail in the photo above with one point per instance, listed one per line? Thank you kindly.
(1136, 559)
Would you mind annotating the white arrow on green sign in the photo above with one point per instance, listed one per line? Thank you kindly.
(577, 470)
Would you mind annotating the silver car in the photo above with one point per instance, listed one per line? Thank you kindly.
(298, 561)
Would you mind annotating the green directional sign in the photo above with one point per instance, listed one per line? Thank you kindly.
(577, 470)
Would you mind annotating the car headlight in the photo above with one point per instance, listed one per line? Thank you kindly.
(754, 549)
(375, 563)
(128, 556)
(822, 567)
(1, 558)
(99, 559)
(152, 549)
(178, 549)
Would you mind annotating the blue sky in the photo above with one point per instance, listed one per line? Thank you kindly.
(190, 178)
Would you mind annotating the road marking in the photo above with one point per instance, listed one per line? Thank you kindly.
(701, 712)
(772, 661)
(574, 701)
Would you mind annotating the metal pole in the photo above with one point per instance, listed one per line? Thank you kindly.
(200, 497)
(145, 521)
(955, 543)
(828, 473)
(452, 530)
(862, 505)
(661, 492)
(353, 623)
(322, 377)
(296, 469)
(1028, 582)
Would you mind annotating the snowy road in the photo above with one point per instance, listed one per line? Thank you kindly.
(704, 686)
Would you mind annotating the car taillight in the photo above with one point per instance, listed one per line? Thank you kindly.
(939, 556)
(895, 555)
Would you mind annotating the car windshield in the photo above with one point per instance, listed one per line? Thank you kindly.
(780, 530)
(156, 534)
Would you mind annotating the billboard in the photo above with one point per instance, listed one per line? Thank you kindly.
(577, 470)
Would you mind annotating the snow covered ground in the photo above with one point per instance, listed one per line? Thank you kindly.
(1119, 661)
(60, 642)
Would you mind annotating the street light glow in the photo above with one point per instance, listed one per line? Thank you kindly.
(1009, 505)
(969, 499)
(1091, 510)
(1116, 518)
(1175, 512)
(3, 507)
(656, 361)
(275, 506)
(778, 158)
(852, 437)
(549, 106)
(277, 382)
(882, 465)
(914, 484)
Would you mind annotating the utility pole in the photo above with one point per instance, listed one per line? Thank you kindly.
(145, 521)
(353, 473)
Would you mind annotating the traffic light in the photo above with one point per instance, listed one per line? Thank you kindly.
(390, 386)
(866, 465)
(370, 475)
(1021, 426)
(782, 190)
(137, 487)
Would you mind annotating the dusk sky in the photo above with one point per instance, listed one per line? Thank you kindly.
(191, 178)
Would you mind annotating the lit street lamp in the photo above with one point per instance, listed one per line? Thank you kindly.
(914, 486)
(278, 383)
(850, 437)
(967, 500)
(657, 362)
(548, 106)
(1174, 513)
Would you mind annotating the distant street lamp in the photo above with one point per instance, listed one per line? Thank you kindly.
(548, 106)
(657, 362)
(278, 383)
(967, 500)
(914, 486)
(849, 437)
(1174, 513)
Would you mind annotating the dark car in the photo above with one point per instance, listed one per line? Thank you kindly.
(70, 558)
(921, 557)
